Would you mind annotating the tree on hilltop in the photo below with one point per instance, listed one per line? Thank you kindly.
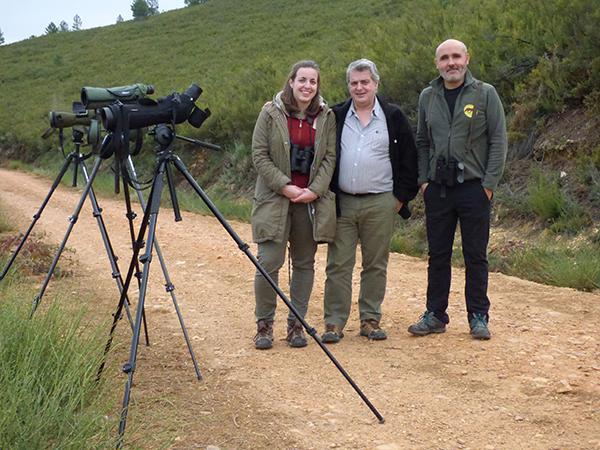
(140, 9)
(153, 7)
(1, 37)
(51, 28)
(194, 2)
(120, 18)
(64, 26)
(76, 23)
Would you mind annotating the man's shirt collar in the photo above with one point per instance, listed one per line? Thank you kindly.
(376, 111)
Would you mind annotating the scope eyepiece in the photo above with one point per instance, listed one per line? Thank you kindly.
(193, 91)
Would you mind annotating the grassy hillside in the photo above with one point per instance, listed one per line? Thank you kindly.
(239, 52)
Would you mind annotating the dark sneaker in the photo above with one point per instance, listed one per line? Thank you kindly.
(371, 329)
(295, 336)
(332, 334)
(479, 327)
(427, 324)
(264, 334)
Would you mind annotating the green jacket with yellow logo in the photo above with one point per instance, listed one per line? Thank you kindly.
(475, 135)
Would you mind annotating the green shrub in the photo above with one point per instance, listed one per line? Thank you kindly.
(545, 196)
(578, 268)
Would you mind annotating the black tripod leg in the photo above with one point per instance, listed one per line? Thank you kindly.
(150, 220)
(70, 158)
(170, 288)
(245, 248)
(133, 268)
(112, 258)
(130, 216)
(72, 220)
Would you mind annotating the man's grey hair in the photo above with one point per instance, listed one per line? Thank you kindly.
(360, 65)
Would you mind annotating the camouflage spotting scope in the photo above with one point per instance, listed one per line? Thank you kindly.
(61, 119)
(95, 97)
(80, 120)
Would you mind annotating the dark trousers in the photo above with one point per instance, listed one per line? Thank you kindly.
(468, 204)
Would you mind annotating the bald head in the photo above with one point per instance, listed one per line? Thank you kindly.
(451, 60)
(450, 43)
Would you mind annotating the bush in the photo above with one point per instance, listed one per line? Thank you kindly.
(545, 196)
(577, 268)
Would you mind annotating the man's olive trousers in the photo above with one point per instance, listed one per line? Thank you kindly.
(368, 219)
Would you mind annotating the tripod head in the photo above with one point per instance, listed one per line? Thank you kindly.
(164, 135)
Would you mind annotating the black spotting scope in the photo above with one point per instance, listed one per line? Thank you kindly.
(175, 108)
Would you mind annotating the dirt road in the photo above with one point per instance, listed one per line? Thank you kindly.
(535, 385)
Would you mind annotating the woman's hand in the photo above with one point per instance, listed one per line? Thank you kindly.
(291, 191)
(306, 196)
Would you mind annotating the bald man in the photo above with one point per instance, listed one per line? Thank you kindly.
(461, 145)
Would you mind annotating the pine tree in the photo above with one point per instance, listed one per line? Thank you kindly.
(153, 7)
(140, 9)
(51, 28)
(120, 18)
(64, 26)
(76, 23)
(1, 37)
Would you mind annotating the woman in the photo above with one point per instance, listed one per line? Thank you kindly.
(293, 150)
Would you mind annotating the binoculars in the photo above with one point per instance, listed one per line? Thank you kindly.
(449, 173)
(301, 159)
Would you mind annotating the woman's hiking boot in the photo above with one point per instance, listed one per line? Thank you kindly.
(264, 335)
(295, 334)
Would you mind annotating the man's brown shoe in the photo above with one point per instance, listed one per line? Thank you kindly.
(371, 329)
(332, 334)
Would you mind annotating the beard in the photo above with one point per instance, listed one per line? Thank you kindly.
(457, 75)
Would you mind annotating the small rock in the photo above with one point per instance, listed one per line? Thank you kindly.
(519, 418)
(564, 387)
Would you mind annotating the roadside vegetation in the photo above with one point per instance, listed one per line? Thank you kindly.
(48, 364)
(543, 58)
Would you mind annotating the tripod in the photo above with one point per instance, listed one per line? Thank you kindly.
(165, 136)
(77, 160)
(129, 174)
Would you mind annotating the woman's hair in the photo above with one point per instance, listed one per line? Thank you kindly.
(287, 96)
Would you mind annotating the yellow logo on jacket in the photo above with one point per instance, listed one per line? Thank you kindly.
(468, 110)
